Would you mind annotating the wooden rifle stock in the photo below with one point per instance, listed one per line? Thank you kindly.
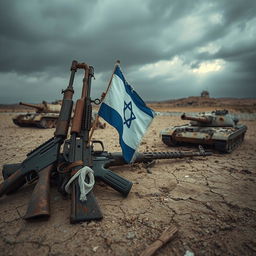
(40, 160)
(39, 205)
(78, 117)
(80, 104)
(66, 106)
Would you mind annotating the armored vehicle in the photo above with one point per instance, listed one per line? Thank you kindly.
(46, 116)
(217, 129)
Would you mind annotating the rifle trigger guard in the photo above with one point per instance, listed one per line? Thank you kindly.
(30, 178)
(98, 142)
(96, 101)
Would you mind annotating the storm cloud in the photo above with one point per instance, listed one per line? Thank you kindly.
(168, 49)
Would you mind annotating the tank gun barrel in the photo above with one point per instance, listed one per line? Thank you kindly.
(201, 119)
(39, 108)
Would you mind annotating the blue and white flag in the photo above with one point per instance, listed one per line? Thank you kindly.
(127, 112)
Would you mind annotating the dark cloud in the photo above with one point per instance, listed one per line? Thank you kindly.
(39, 39)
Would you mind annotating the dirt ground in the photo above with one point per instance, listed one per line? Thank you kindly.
(210, 200)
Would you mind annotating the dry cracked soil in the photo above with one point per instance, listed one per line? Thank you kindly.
(211, 200)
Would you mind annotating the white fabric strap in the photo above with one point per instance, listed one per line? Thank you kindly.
(85, 187)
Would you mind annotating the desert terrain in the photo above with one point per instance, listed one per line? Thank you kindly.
(211, 200)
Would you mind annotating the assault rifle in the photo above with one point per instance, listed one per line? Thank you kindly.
(78, 153)
(46, 161)
(43, 159)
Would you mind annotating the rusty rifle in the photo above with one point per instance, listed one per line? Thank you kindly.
(43, 159)
(78, 152)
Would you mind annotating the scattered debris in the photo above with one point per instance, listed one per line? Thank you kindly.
(130, 235)
(165, 237)
(189, 253)
(95, 248)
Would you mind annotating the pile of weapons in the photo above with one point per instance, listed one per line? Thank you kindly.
(47, 162)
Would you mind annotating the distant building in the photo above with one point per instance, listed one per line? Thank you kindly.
(205, 94)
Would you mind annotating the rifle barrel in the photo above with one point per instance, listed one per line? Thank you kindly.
(148, 156)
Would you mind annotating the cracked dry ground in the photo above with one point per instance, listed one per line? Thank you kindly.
(211, 201)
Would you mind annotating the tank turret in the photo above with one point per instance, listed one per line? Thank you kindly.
(46, 116)
(217, 128)
(218, 118)
(198, 120)
(44, 107)
(38, 108)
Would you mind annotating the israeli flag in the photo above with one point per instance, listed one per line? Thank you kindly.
(127, 112)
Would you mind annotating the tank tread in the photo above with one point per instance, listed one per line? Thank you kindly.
(19, 124)
(229, 145)
(46, 123)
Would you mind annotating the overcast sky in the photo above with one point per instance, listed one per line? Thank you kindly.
(168, 48)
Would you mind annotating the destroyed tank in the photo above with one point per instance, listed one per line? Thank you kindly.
(46, 116)
(217, 129)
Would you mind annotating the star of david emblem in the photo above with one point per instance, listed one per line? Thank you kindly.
(128, 114)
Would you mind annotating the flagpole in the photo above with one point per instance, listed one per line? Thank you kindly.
(103, 95)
